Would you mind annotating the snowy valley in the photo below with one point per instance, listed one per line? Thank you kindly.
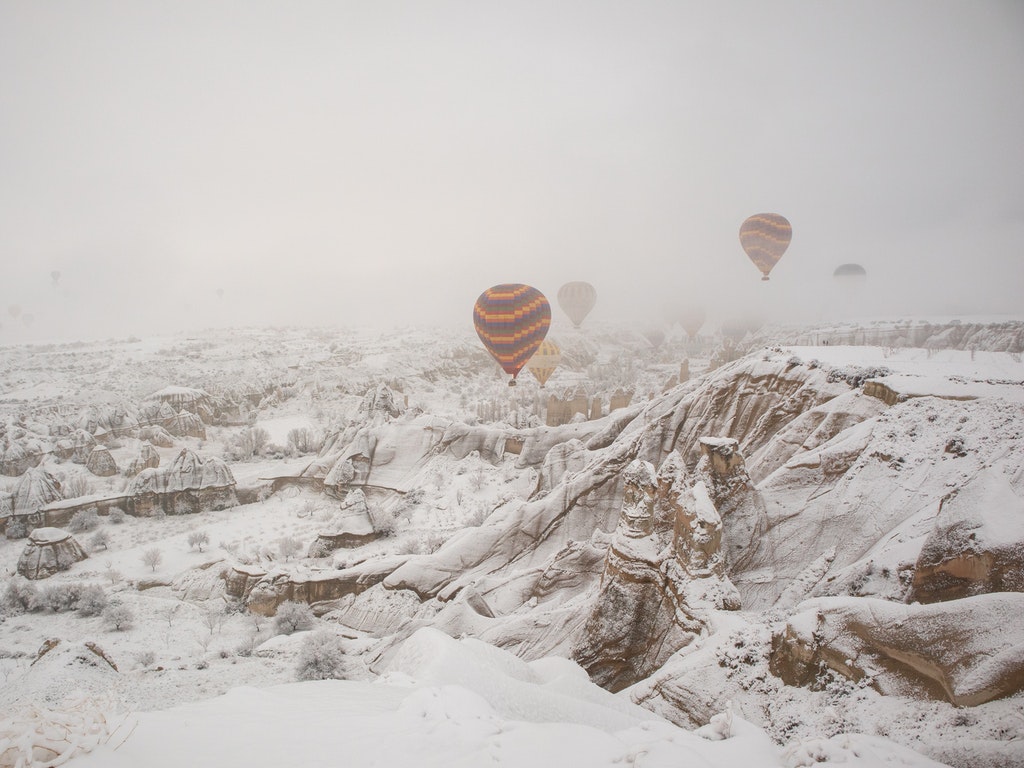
(778, 546)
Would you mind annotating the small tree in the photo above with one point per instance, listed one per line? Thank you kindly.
(119, 616)
(84, 520)
(61, 596)
(152, 558)
(197, 539)
(321, 657)
(112, 573)
(293, 617)
(289, 547)
(21, 595)
(99, 539)
(92, 601)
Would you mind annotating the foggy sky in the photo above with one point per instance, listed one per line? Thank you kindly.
(384, 162)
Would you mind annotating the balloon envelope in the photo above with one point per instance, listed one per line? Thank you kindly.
(512, 320)
(577, 299)
(765, 237)
(692, 320)
(849, 271)
(544, 361)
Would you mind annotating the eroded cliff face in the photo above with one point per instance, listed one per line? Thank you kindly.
(663, 573)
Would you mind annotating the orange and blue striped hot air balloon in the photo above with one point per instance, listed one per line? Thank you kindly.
(765, 237)
(512, 320)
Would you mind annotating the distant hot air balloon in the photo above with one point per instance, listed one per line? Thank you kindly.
(55, 277)
(850, 272)
(14, 310)
(512, 320)
(655, 337)
(765, 237)
(577, 299)
(692, 319)
(220, 293)
(544, 361)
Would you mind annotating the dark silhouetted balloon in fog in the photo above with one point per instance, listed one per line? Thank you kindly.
(765, 237)
(512, 320)
(849, 272)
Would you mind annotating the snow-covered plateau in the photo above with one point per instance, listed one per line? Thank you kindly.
(259, 547)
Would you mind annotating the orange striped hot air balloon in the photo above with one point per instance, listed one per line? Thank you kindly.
(577, 299)
(765, 237)
(512, 320)
(544, 361)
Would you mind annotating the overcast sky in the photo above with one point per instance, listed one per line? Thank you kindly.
(185, 164)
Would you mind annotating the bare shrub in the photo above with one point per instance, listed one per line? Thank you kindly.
(92, 601)
(100, 539)
(119, 616)
(197, 539)
(289, 547)
(75, 485)
(321, 657)
(305, 440)
(152, 558)
(84, 520)
(293, 617)
(20, 596)
(62, 596)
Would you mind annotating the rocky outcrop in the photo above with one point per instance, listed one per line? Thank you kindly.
(189, 484)
(35, 489)
(262, 591)
(100, 462)
(75, 447)
(959, 651)
(976, 544)
(186, 424)
(663, 572)
(157, 435)
(731, 492)
(17, 457)
(148, 458)
(350, 527)
(48, 551)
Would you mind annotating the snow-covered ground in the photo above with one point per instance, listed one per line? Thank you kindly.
(201, 680)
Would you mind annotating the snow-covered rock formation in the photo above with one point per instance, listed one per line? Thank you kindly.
(663, 574)
(48, 551)
(189, 484)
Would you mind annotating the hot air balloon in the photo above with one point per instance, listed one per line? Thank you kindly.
(512, 320)
(220, 293)
(655, 337)
(544, 361)
(850, 272)
(765, 237)
(692, 319)
(577, 299)
(55, 277)
(14, 310)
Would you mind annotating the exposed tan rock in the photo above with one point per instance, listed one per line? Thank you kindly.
(663, 571)
(350, 527)
(976, 545)
(189, 484)
(100, 462)
(48, 551)
(958, 650)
